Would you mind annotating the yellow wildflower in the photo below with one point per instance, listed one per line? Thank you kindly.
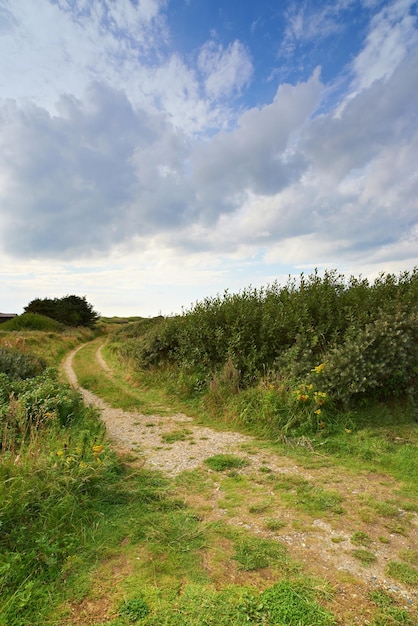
(348, 430)
(318, 412)
(303, 397)
(60, 453)
(97, 450)
(318, 369)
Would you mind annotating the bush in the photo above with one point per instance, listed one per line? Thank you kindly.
(379, 359)
(29, 406)
(18, 364)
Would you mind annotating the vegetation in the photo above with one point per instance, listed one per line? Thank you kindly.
(32, 321)
(290, 358)
(69, 310)
(80, 526)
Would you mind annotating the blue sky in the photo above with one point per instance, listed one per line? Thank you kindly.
(155, 152)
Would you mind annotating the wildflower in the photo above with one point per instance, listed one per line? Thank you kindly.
(97, 450)
(60, 453)
(319, 397)
(347, 430)
(318, 369)
(318, 412)
(99, 461)
(82, 464)
(303, 397)
(321, 424)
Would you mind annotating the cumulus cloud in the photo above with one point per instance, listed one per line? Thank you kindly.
(128, 160)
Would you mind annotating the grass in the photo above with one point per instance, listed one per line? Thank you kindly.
(255, 553)
(403, 572)
(364, 556)
(121, 390)
(156, 560)
(301, 493)
(223, 462)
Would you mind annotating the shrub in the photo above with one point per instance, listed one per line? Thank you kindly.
(379, 359)
(18, 364)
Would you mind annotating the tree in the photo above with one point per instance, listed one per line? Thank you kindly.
(69, 310)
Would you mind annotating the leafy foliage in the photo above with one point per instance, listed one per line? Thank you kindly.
(17, 364)
(298, 354)
(69, 310)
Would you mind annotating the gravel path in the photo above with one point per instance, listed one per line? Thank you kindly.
(323, 545)
(145, 435)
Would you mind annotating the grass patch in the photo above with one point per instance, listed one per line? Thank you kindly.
(253, 553)
(364, 556)
(403, 572)
(223, 462)
(360, 538)
(274, 524)
(301, 493)
(176, 435)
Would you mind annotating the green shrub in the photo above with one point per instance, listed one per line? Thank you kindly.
(380, 359)
(27, 406)
(18, 364)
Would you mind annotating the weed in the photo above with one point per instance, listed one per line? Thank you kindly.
(292, 603)
(261, 507)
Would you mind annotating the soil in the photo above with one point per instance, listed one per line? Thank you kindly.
(322, 542)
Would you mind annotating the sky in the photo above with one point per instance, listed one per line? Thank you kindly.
(157, 152)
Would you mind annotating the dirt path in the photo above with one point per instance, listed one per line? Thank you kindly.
(323, 543)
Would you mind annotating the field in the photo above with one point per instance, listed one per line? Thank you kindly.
(311, 519)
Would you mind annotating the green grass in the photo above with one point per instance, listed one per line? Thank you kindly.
(118, 390)
(253, 553)
(403, 572)
(364, 556)
(223, 462)
(176, 435)
(303, 494)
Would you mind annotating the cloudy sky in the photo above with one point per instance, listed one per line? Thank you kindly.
(155, 152)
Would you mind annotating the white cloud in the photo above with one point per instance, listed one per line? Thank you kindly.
(225, 71)
(391, 37)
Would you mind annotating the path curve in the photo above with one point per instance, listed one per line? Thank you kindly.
(143, 435)
(325, 546)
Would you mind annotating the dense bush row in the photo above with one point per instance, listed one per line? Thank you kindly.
(363, 335)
